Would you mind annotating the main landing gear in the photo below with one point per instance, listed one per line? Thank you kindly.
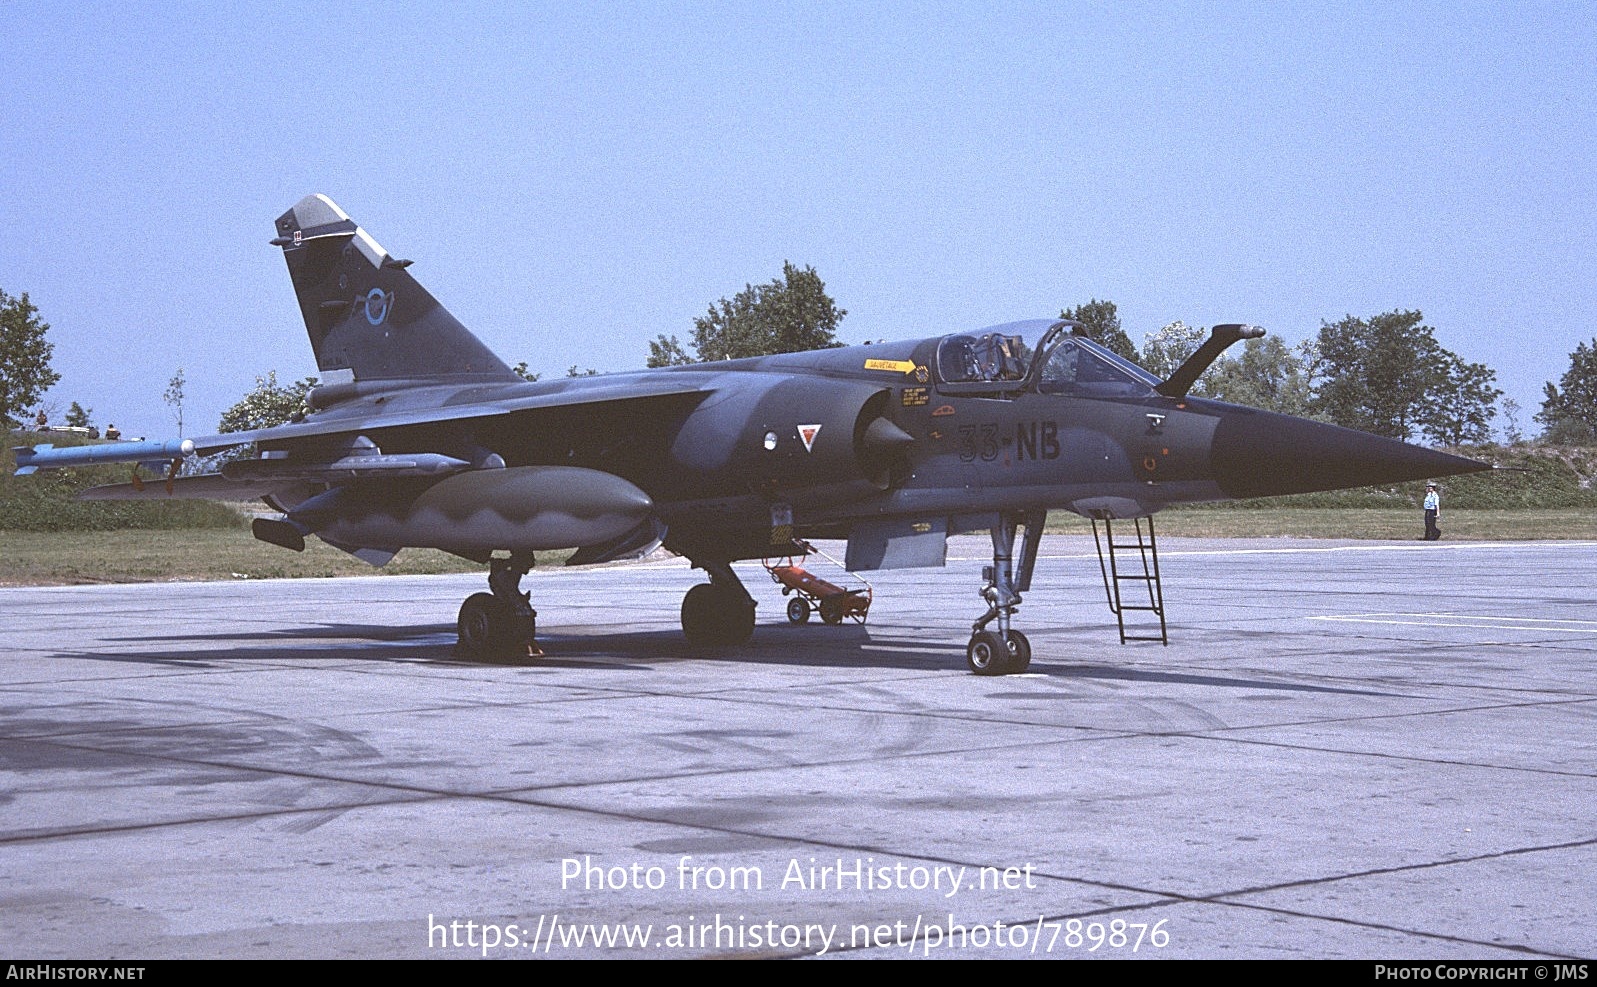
(1004, 650)
(719, 612)
(501, 624)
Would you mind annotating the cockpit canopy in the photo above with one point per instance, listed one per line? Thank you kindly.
(1006, 358)
(989, 357)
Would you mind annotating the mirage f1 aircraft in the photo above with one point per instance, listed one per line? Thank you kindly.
(419, 436)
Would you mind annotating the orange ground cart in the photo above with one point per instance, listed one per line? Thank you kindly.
(810, 592)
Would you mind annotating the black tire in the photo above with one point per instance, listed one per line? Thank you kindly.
(798, 610)
(987, 654)
(1019, 653)
(713, 616)
(483, 625)
(736, 618)
(698, 614)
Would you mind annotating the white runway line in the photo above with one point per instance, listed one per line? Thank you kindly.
(1304, 550)
(1465, 620)
(1431, 547)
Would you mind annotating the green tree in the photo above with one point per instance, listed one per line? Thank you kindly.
(1266, 374)
(270, 403)
(1378, 374)
(78, 416)
(1569, 410)
(572, 371)
(786, 315)
(1102, 322)
(1513, 434)
(25, 372)
(1168, 348)
(667, 351)
(525, 374)
(174, 398)
(1387, 374)
(1461, 404)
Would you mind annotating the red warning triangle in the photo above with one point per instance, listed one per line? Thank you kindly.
(808, 434)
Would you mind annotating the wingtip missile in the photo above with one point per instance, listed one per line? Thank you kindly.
(30, 459)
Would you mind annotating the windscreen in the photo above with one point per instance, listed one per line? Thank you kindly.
(1078, 366)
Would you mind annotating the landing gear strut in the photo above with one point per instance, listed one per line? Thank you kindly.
(719, 612)
(1003, 650)
(501, 624)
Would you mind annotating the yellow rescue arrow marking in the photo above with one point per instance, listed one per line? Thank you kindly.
(897, 366)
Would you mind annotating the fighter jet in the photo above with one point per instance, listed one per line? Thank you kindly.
(419, 436)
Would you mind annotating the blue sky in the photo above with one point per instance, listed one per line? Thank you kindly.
(573, 179)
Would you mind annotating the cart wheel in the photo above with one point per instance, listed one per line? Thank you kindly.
(798, 610)
(832, 611)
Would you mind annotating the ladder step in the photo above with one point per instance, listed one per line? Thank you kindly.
(1128, 553)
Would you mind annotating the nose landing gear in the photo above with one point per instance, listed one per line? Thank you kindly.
(1005, 651)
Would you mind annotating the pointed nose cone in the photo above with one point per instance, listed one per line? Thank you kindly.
(1261, 454)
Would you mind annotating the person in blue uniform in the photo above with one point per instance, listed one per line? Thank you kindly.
(1433, 512)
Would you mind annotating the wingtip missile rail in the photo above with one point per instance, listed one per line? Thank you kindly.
(33, 458)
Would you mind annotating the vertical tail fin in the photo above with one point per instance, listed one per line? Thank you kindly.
(364, 311)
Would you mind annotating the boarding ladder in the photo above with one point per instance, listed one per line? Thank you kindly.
(1120, 565)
